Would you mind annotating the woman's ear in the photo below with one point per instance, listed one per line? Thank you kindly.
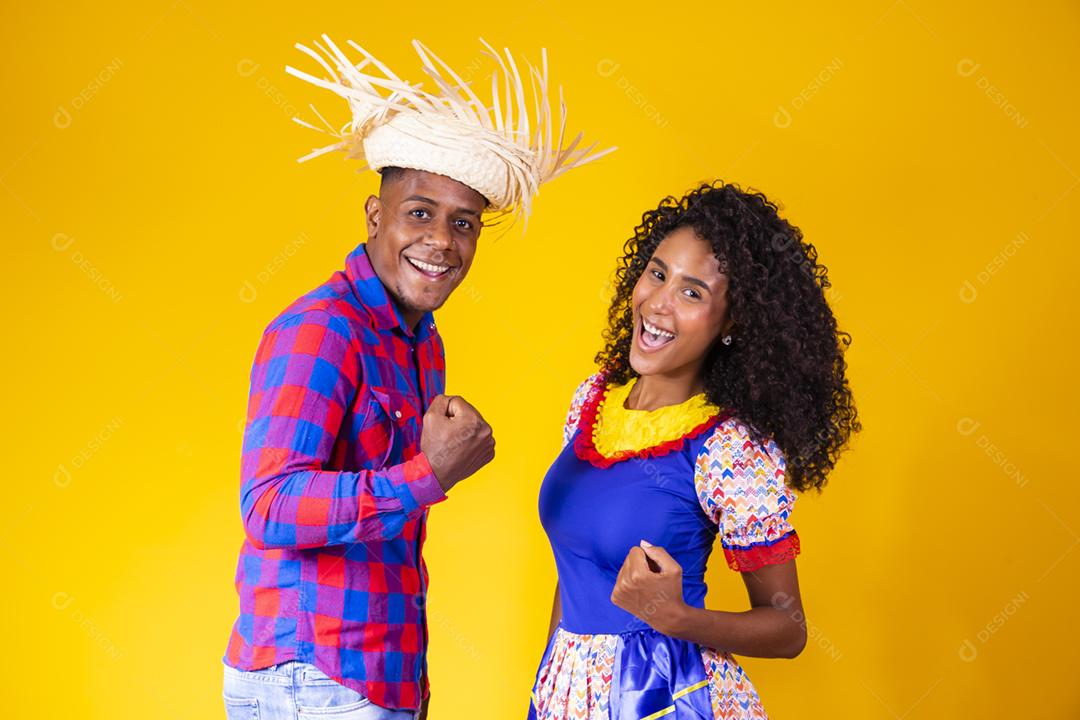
(727, 326)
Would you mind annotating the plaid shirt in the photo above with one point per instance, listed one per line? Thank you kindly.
(335, 491)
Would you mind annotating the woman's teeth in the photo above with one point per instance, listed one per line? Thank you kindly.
(428, 267)
(654, 336)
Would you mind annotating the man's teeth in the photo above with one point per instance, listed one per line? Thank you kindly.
(653, 330)
(428, 266)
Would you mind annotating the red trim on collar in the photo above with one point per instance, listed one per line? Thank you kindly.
(585, 448)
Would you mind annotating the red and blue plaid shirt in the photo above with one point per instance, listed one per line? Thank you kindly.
(335, 490)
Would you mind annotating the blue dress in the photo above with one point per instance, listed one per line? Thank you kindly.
(603, 661)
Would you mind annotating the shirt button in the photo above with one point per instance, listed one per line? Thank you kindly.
(397, 414)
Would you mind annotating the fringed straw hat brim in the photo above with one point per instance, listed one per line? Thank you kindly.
(505, 149)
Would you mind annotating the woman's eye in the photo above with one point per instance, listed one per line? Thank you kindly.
(658, 275)
(693, 293)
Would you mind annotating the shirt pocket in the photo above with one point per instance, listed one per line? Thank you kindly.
(390, 433)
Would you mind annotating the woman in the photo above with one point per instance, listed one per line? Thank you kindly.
(721, 391)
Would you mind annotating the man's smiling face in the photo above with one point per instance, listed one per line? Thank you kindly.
(422, 233)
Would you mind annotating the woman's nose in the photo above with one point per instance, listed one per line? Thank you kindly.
(659, 301)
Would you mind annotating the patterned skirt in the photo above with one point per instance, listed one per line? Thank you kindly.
(640, 675)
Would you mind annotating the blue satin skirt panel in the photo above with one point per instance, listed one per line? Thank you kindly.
(652, 673)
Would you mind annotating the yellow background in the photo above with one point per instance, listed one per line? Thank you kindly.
(156, 220)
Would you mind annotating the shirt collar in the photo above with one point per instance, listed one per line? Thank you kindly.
(372, 294)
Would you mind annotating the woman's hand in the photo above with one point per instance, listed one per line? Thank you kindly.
(649, 587)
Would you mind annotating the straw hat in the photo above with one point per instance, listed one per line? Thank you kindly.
(504, 149)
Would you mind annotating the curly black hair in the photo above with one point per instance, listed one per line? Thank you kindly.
(784, 373)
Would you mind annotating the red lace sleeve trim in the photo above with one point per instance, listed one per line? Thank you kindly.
(585, 448)
(757, 556)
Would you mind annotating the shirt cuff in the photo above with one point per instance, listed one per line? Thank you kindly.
(420, 483)
(757, 555)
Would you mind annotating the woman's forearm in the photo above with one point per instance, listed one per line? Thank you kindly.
(767, 632)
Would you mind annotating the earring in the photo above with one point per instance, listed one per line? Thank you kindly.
(726, 339)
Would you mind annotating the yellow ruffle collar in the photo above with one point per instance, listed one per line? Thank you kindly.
(619, 430)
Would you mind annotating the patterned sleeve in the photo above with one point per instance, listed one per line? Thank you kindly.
(741, 487)
(576, 404)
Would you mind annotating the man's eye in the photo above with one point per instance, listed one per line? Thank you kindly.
(464, 224)
(418, 212)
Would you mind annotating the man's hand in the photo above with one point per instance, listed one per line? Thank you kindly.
(456, 440)
(649, 587)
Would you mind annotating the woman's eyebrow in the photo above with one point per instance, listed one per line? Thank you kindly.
(694, 281)
(688, 278)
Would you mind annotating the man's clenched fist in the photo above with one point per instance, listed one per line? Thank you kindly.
(456, 440)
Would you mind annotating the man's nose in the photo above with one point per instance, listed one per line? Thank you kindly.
(439, 237)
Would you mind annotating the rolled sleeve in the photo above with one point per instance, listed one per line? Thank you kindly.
(415, 483)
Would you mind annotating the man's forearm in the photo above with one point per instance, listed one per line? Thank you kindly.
(308, 508)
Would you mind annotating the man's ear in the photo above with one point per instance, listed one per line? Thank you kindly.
(372, 211)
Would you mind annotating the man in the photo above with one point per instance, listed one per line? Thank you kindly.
(349, 438)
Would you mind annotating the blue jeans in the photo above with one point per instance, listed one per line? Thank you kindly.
(298, 691)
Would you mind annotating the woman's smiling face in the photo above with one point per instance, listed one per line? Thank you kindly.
(680, 307)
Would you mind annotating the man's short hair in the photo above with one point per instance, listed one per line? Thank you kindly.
(390, 173)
